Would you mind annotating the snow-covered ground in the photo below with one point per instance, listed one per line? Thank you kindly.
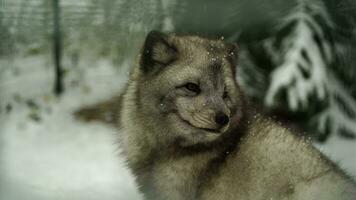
(46, 154)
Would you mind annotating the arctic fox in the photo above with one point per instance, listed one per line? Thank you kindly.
(188, 133)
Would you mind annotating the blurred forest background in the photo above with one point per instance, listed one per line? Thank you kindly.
(296, 60)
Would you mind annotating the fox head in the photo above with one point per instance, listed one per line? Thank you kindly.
(186, 87)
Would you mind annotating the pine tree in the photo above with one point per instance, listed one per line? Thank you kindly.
(307, 53)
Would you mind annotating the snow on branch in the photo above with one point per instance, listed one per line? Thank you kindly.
(305, 56)
(340, 115)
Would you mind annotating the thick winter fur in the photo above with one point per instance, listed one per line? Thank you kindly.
(188, 135)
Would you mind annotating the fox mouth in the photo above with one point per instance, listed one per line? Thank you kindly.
(210, 130)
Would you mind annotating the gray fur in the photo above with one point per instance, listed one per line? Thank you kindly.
(177, 150)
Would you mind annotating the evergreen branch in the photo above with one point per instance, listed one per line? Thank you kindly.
(306, 53)
(341, 112)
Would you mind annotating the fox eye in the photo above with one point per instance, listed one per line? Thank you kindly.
(192, 87)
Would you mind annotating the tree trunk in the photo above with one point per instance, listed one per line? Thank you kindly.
(57, 49)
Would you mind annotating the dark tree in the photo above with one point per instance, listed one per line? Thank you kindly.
(57, 49)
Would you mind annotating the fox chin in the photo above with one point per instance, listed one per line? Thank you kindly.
(189, 134)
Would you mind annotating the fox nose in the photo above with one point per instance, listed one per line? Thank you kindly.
(221, 119)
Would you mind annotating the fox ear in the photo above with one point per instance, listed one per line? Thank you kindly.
(157, 52)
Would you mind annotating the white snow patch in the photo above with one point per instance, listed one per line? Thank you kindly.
(59, 157)
(342, 152)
